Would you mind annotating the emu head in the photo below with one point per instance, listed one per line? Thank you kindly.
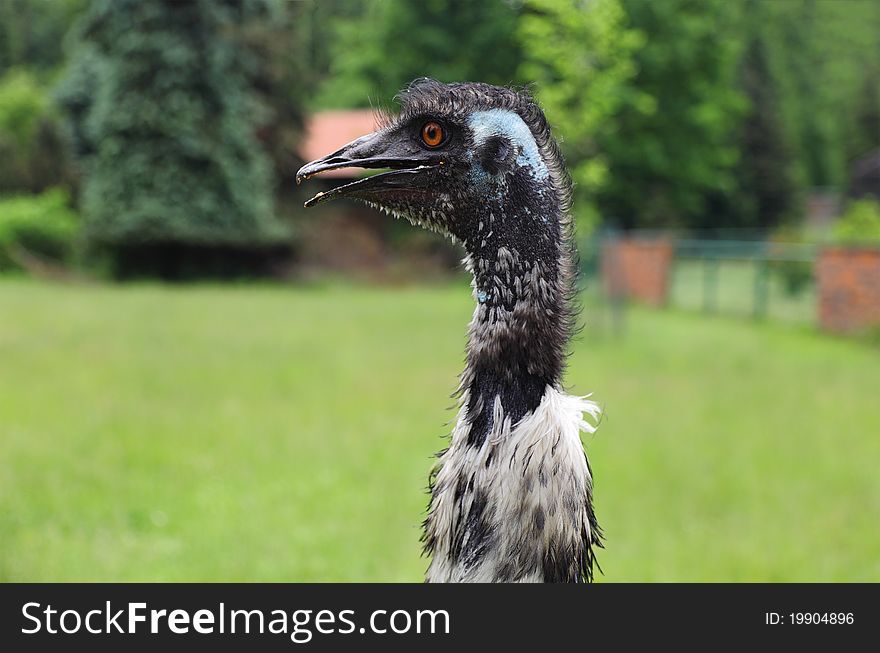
(473, 161)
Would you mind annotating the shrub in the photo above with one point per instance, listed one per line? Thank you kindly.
(860, 223)
(31, 148)
(42, 224)
(795, 276)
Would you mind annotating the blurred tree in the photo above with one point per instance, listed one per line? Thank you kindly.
(823, 52)
(375, 54)
(766, 192)
(32, 32)
(809, 102)
(281, 80)
(668, 156)
(32, 156)
(733, 111)
(75, 95)
(32, 152)
(318, 32)
(168, 118)
(864, 132)
(579, 54)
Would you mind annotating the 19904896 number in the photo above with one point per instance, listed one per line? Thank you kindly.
(821, 617)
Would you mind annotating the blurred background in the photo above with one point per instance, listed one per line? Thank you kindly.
(199, 380)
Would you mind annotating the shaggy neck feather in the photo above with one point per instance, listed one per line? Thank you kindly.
(521, 279)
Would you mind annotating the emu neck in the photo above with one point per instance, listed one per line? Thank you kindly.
(511, 500)
(520, 261)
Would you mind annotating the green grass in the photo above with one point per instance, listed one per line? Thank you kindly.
(285, 434)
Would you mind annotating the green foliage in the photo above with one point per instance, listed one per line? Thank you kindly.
(683, 113)
(860, 223)
(766, 184)
(22, 103)
(280, 80)
(733, 111)
(824, 54)
(31, 151)
(168, 119)
(32, 32)
(580, 88)
(864, 132)
(377, 52)
(321, 26)
(669, 155)
(795, 276)
(42, 224)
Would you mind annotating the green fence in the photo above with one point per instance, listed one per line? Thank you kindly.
(760, 279)
(749, 276)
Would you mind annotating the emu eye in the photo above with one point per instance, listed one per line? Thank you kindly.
(432, 134)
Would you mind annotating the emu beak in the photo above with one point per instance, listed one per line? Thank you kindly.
(407, 161)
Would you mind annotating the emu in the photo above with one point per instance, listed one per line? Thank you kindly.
(511, 497)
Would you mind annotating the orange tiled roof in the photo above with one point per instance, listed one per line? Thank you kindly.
(327, 131)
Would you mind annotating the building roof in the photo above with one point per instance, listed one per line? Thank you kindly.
(327, 131)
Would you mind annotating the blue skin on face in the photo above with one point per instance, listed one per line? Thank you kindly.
(500, 122)
(510, 126)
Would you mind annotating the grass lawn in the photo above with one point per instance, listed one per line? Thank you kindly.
(285, 434)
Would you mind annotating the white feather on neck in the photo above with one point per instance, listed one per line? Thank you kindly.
(537, 464)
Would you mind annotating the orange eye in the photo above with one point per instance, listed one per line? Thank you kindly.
(432, 134)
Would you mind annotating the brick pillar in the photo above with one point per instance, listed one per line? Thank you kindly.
(848, 280)
(637, 268)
